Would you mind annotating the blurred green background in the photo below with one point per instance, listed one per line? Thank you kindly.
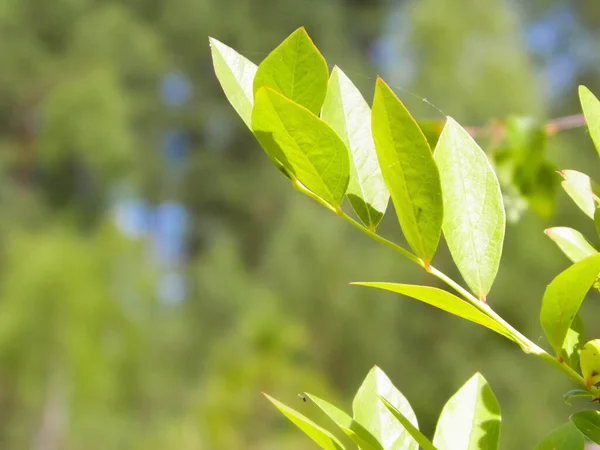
(157, 274)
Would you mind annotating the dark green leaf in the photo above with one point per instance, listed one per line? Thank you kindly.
(443, 300)
(588, 422)
(474, 217)
(565, 437)
(371, 413)
(236, 75)
(409, 171)
(576, 393)
(296, 70)
(347, 112)
(304, 145)
(322, 437)
(470, 420)
(564, 296)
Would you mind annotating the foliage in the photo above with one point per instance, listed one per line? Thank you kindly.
(452, 190)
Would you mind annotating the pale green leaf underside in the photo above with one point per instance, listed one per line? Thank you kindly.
(322, 437)
(296, 70)
(347, 112)
(588, 422)
(591, 111)
(371, 413)
(582, 189)
(474, 218)
(305, 145)
(355, 431)
(443, 300)
(564, 296)
(409, 171)
(422, 441)
(470, 420)
(236, 75)
(565, 437)
(571, 242)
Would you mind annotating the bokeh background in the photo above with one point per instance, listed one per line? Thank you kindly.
(157, 274)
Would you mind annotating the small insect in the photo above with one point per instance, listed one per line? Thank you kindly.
(302, 397)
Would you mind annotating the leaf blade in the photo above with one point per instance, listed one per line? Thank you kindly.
(474, 217)
(443, 300)
(565, 437)
(303, 144)
(588, 422)
(319, 435)
(591, 111)
(372, 414)
(564, 296)
(571, 242)
(424, 443)
(582, 190)
(470, 420)
(236, 75)
(297, 70)
(347, 112)
(355, 431)
(409, 171)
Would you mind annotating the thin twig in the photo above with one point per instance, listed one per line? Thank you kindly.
(497, 129)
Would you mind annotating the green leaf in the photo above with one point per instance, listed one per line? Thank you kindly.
(322, 437)
(470, 420)
(347, 112)
(474, 217)
(443, 300)
(424, 443)
(597, 221)
(355, 431)
(296, 70)
(236, 74)
(305, 145)
(582, 189)
(371, 413)
(571, 242)
(588, 422)
(574, 341)
(565, 437)
(591, 111)
(409, 172)
(576, 393)
(564, 296)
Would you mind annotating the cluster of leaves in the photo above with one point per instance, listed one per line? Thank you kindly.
(320, 133)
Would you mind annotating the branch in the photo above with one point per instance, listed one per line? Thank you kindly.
(497, 129)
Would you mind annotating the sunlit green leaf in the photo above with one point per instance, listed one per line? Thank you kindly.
(591, 111)
(588, 422)
(297, 70)
(409, 171)
(355, 431)
(347, 112)
(470, 420)
(563, 297)
(371, 413)
(474, 217)
(574, 341)
(571, 242)
(424, 443)
(236, 74)
(322, 437)
(582, 189)
(443, 300)
(565, 437)
(305, 145)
